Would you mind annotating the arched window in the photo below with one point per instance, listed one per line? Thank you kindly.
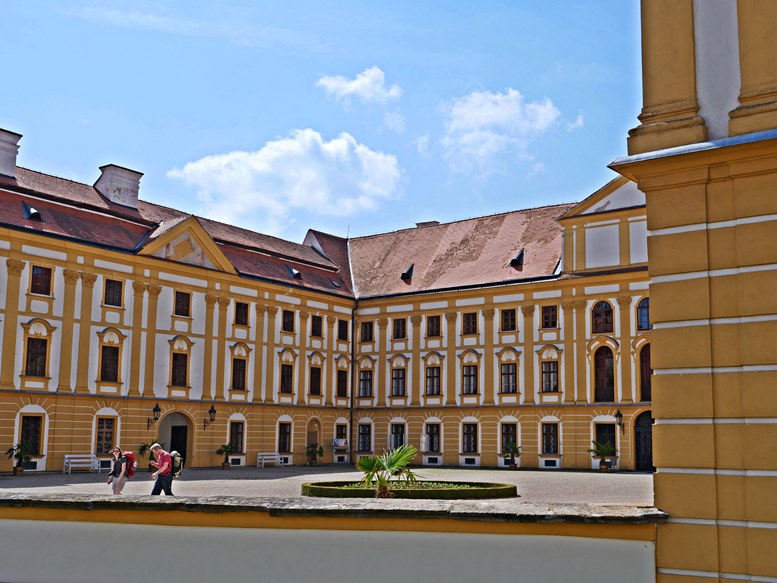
(645, 373)
(604, 384)
(602, 318)
(643, 315)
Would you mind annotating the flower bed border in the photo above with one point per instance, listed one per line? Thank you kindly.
(479, 491)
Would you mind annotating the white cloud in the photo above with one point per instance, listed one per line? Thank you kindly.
(368, 86)
(577, 124)
(481, 126)
(302, 173)
(394, 121)
(239, 33)
(422, 144)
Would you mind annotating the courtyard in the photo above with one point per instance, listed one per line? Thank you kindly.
(535, 487)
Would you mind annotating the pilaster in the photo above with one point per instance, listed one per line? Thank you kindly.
(379, 387)
(138, 290)
(85, 332)
(488, 359)
(272, 357)
(259, 344)
(303, 358)
(71, 277)
(10, 323)
(530, 358)
(221, 346)
(451, 364)
(207, 365)
(153, 301)
(623, 394)
(568, 358)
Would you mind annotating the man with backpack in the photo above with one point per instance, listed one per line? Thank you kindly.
(163, 477)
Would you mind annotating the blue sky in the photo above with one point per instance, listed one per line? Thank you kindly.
(347, 117)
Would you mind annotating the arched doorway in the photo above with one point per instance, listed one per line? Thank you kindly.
(175, 434)
(313, 432)
(643, 443)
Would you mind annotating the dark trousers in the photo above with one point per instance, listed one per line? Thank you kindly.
(163, 483)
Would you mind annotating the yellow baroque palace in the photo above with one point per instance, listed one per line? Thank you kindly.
(127, 322)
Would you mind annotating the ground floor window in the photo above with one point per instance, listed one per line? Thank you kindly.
(605, 433)
(433, 437)
(397, 435)
(106, 432)
(284, 437)
(550, 438)
(32, 432)
(470, 438)
(365, 437)
(236, 431)
(509, 434)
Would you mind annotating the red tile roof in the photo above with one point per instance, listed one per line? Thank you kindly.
(459, 254)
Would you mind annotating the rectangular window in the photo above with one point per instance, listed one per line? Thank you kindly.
(397, 435)
(550, 438)
(470, 323)
(105, 435)
(315, 380)
(109, 364)
(342, 329)
(236, 435)
(284, 437)
(32, 432)
(365, 383)
(287, 321)
(509, 378)
(365, 437)
(367, 332)
(433, 326)
(470, 384)
(550, 376)
(36, 357)
(433, 437)
(397, 382)
(550, 316)
(183, 302)
(508, 320)
(509, 435)
(342, 383)
(316, 326)
(287, 374)
(400, 328)
(605, 433)
(241, 313)
(180, 369)
(470, 438)
(238, 374)
(432, 380)
(112, 293)
(41, 281)
(341, 431)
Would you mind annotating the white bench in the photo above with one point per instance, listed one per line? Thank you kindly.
(268, 458)
(81, 460)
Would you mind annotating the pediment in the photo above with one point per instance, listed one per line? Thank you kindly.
(620, 193)
(187, 242)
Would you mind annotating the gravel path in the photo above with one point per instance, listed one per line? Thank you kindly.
(533, 486)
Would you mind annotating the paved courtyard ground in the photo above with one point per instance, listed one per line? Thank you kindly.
(533, 486)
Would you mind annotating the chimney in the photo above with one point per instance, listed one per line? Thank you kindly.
(9, 147)
(119, 185)
(423, 224)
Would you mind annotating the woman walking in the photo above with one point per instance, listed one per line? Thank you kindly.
(117, 477)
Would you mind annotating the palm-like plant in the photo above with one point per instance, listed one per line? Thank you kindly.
(389, 467)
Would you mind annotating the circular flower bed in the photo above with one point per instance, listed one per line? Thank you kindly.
(420, 490)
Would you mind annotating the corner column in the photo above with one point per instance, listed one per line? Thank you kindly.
(10, 323)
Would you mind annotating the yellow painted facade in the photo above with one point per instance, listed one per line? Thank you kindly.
(80, 411)
(711, 213)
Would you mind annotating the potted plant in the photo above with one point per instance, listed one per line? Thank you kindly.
(226, 450)
(22, 452)
(509, 452)
(313, 452)
(605, 452)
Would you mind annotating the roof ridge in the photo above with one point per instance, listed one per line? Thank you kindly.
(548, 206)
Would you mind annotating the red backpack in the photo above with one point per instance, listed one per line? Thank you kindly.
(131, 463)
